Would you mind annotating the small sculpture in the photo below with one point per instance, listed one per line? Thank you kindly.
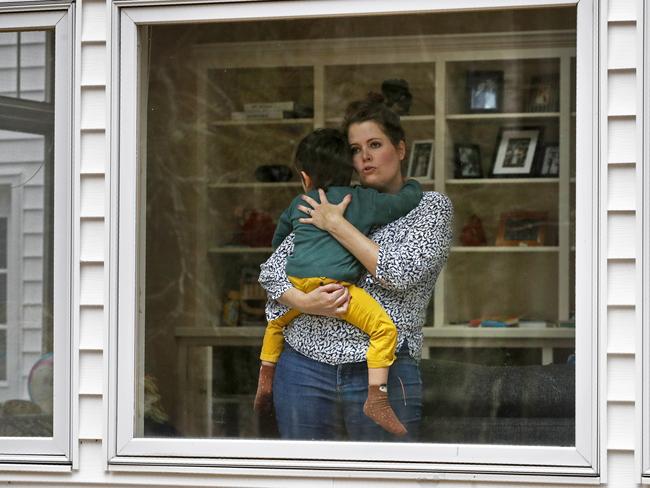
(397, 95)
(473, 234)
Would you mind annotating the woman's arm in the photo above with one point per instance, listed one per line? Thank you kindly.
(423, 250)
(397, 265)
(330, 300)
(330, 218)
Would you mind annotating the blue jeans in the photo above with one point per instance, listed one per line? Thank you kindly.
(314, 400)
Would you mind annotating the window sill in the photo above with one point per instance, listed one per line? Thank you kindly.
(353, 470)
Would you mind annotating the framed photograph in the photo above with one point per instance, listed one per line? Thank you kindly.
(421, 160)
(543, 95)
(515, 152)
(550, 164)
(467, 161)
(522, 229)
(484, 91)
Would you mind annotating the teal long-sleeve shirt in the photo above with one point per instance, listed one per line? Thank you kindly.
(317, 253)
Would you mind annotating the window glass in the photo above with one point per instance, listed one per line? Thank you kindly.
(487, 103)
(26, 226)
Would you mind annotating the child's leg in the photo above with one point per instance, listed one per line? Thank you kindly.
(272, 346)
(365, 313)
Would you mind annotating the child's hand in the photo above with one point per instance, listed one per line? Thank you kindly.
(323, 215)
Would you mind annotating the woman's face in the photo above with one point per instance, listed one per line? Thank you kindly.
(375, 158)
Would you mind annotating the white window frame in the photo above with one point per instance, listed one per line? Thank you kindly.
(17, 452)
(125, 452)
(643, 242)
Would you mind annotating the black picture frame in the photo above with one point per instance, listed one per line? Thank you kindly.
(549, 161)
(467, 161)
(516, 152)
(484, 91)
(543, 93)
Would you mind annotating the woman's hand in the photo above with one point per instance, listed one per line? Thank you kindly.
(330, 300)
(324, 215)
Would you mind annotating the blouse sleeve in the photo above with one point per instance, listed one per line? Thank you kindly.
(424, 249)
(273, 278)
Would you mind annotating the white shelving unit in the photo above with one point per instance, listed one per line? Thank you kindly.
(435, 65)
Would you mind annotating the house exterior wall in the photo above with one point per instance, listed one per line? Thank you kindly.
(618, 348)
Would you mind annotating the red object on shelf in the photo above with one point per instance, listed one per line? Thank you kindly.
(473, 234)
(257, 229)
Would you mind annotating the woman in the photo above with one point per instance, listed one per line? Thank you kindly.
(320, 381)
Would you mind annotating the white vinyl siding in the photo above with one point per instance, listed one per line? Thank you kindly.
(621, 158)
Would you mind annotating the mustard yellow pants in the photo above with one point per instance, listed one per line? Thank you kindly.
(363, 312)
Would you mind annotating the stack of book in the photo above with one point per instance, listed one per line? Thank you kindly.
(272, 111)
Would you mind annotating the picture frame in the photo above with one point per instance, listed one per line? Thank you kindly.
(420, 164)
(467, 161)
(515, 152)
(522, 228)
(484, 91)
(549, 165)
(543, 93)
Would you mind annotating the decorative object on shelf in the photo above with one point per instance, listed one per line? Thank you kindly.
(515, 152)
(421, 159)
(495, 322)
(550, 164)
(231, 308)
(253, 298)
(256, 228)
(543, 94)
(273, 111)
(397, 95)
(472, 233)
(273, 173)
(522, 228)
(467, 161)
(484, 91)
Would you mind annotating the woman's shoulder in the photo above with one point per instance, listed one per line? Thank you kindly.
(435, 201)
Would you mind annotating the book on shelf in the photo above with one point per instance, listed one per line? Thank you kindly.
(533, 324)
(269, 106)
(262, 115)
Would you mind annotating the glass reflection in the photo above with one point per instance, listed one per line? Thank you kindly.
(494, 130)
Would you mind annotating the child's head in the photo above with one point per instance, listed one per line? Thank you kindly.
(325, 157)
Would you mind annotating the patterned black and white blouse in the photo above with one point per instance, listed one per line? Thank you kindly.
(412, 251)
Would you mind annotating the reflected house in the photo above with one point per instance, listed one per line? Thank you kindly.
(26, 140)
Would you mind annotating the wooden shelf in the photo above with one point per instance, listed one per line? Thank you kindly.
(501, 181)
(504, 249)
(224, 123)
(449, 331)
(455, 331)
(206, 332)
(403, 118)
(256, 184)
(240, 250)
(505, 116)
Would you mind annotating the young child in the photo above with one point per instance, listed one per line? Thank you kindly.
(324, 160)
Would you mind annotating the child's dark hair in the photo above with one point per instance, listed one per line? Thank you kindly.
(325, 156)
(372, 108)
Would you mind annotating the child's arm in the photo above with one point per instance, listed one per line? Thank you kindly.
(386, 207)
(283, 229)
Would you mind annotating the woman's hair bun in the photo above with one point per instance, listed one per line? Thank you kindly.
(374, 97)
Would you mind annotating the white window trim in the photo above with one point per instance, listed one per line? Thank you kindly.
(643, 243)
(224, 455)
(56, 450)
